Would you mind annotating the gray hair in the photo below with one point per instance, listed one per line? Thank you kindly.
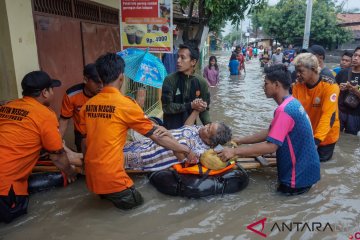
(222, 136)
(307, 60)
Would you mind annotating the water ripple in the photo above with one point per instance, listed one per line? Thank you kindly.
(241, 103)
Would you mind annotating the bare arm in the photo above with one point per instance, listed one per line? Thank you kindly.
(192, 118)
(255, 138)
(248, 151)
(255, 150)
(170, 143)
(75, 158)
(62, 162)
(63, 123)
(180, 151)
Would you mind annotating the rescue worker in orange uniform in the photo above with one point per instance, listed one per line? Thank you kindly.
(319, 97)
(26, 126)
(105, 120)
(75, 97)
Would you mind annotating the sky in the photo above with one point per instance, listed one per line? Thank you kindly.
(349, 4)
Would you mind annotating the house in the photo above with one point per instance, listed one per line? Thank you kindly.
(58, 37)
(351, 21)
(265, 42)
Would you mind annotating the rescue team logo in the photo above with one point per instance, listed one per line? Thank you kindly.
(317, 102)
(12, 113)
(100, 111)
(333, 97)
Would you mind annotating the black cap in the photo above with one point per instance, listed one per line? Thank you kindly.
(317, 50)
(91, 73)
(38, 80)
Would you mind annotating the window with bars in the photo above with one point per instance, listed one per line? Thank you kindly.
(80, 9)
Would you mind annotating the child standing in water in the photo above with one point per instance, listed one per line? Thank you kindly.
(211, 72)
(234, 65)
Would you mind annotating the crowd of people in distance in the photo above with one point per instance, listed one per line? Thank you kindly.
(314, 102)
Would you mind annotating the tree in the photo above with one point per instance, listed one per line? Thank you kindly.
(286, 21)
(214, 13)
(233, 36)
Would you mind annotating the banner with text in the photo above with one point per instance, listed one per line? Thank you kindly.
(146, 24)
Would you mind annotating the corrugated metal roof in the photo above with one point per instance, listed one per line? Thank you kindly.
(349, 17)
(351, 21)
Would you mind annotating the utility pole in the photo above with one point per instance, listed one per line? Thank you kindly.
(237, 29)
(241, 33)
(307, 24)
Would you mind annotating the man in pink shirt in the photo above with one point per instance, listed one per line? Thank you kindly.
(289, 134)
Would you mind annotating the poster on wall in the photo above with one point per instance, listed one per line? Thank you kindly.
(146, 24)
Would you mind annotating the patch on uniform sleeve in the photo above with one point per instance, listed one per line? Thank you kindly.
(333, 97)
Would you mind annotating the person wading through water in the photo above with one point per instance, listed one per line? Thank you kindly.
(183, 91)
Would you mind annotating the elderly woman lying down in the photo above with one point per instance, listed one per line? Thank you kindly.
(145, 155)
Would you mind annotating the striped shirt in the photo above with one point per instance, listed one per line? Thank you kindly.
(145, 155)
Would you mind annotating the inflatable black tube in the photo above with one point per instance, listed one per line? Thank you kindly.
(44, 181)
(170, 182)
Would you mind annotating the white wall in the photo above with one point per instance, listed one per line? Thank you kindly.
(22, 35)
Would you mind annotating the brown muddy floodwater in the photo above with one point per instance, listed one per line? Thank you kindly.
(330, 210)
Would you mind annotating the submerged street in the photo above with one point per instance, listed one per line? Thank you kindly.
(72, 212)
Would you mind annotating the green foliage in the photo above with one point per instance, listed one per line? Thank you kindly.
(219, 11)
(286, 21)
(231, 37)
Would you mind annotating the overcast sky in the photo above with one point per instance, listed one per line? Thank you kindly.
(349, 4)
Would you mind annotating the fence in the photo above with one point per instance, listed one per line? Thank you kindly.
(147, 97)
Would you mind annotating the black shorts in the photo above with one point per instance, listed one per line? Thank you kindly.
(12, 206)
(127, 199)
(326, 152)
(292, 191)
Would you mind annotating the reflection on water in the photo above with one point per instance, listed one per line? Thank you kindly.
(74, 213)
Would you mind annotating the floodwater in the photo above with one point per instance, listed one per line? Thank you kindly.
(330, 210)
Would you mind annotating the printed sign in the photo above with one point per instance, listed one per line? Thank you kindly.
(146, 24)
